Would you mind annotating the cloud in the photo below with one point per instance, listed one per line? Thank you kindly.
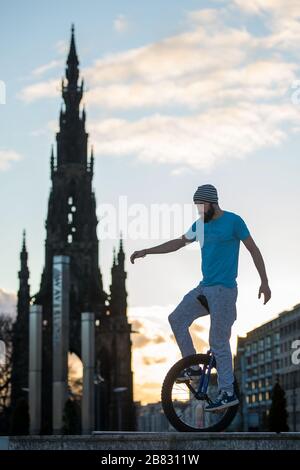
(199, 336)
(53, 64)
(62, 47)
(50, 128)
(212, 79)
(8, 302)
(121, 24)
(43, 89)
(7, 157)
(147, 392)
(237, 131)
(156, 348)
(148, 361)
(141, 338)
(198, 328)
(158, 339)
(281, 18)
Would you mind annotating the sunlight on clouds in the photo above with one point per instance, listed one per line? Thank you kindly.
(151, 361)
(168, 139)
(226, 81)
(155, 350)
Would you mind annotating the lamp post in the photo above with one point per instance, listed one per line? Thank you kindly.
(118, 391)
(98, 381)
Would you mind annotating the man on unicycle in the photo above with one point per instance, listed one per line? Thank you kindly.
(219, 233)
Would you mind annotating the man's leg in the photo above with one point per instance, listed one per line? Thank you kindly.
(183, 316)
(222, 306)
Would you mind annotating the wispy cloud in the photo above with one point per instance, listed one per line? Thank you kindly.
(53, 64)
(8, 156)
(61, 47)
(44, 89)
(121, 24)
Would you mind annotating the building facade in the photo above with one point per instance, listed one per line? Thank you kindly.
(266, 355)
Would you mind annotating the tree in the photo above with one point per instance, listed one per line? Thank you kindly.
(278, 412)
(20, 418)
(6, 324)
(5, 367)
(71, 417)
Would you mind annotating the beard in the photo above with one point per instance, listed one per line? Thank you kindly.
(209, 214)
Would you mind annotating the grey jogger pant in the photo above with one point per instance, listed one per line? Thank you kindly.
(222, 306)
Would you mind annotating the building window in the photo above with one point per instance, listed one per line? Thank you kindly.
(70, 200)
(267, 395)
(277, 350)
(268, 355)
(254, 347)
(276, 337)
(268, 341)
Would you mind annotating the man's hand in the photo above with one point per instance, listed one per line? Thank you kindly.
(137, 254)
(265, 289)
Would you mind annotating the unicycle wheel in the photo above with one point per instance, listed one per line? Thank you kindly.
(184, 409)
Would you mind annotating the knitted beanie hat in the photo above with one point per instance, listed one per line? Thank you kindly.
(206, 193)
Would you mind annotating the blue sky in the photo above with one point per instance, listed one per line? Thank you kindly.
(177, 94)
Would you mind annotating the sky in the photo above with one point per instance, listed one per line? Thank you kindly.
(177, 94)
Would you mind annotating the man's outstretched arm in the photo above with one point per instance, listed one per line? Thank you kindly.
(167, 247)
(260, 266)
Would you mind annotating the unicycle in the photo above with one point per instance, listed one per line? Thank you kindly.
(184, 402)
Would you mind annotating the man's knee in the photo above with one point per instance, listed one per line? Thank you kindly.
(173, 317)
(177, 317)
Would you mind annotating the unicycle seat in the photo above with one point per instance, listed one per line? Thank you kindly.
(203, 300)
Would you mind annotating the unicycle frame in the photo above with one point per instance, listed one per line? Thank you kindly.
(201, 393)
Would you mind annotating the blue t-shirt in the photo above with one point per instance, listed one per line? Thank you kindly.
(220, 243)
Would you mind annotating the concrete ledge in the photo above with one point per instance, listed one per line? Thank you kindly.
(156, 441)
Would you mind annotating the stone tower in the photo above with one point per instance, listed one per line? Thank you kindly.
(20, 338)
(71, 231)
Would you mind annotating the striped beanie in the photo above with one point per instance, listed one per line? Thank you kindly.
(206, 193)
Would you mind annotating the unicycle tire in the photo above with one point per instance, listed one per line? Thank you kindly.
(168, 406)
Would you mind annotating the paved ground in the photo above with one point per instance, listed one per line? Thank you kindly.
(156, 441)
